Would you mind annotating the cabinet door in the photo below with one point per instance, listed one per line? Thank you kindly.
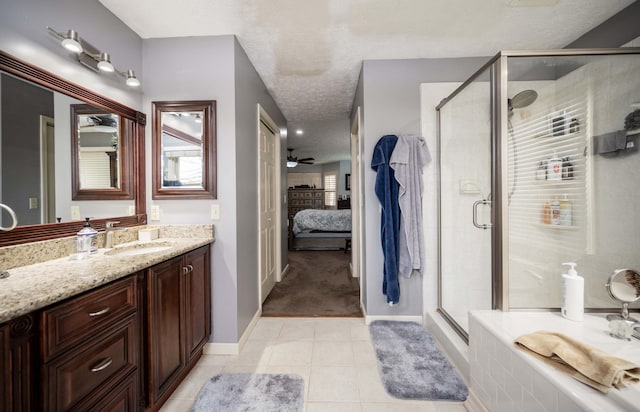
(165, 326)
(198, 300)
(18, 390)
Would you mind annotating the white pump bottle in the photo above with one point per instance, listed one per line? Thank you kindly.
(572, 294)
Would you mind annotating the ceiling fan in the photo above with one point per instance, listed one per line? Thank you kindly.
(293, 161)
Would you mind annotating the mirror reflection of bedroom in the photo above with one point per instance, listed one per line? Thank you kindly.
(319, 280)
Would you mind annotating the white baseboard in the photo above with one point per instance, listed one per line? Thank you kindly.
(214, 348)
(284, 272)
(368, 319)
(473, 403)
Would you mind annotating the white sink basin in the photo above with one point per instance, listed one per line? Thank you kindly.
(139, 249)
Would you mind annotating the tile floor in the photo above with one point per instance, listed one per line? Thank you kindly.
(333, 355)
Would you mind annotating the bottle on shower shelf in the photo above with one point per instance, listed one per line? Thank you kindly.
(555, 211)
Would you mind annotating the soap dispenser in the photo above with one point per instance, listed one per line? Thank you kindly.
(572, 294)
(87, 238)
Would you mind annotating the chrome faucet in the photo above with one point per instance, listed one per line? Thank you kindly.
(109, 229)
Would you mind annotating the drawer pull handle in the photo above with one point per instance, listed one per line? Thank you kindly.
(190, 268)
(100, 312)
(102, 365)
(185, 270)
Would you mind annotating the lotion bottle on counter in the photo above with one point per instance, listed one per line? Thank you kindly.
(572, 306)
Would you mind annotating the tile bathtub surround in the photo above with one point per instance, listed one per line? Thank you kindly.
(34, 286)
(505, 378)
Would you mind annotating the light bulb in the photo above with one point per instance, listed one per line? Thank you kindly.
(71, 42)
(132, 80)
(105, 63)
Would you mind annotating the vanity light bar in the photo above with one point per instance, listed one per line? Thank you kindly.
(89, 56)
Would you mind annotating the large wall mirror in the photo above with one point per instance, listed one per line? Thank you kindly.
(184, 150)
(44, 131)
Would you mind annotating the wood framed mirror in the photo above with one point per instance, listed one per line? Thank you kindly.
(184, 150)
(101, 148)
(71, 93)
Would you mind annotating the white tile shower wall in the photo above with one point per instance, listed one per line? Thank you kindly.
(610, 85)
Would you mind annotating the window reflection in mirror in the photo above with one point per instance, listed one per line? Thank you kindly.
(98, 144)
(184, 150)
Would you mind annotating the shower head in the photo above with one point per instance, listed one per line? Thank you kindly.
(523, 99)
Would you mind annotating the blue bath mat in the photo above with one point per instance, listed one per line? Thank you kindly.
(411, 364)
(251, 392)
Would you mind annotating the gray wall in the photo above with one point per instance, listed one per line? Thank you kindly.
(222, 73)
(21, 106)
(250, 90)
(620, 29)
(390, 97)
(201, 68)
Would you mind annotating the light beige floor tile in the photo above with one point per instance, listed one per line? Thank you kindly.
(296, 353)
(370, 385)
(333, 384)
(360, 331)
(334, 329)
(333, 407)
(412, 406)
(244, 368)
(363, 353)
(298, 329)
(214, 360)
(191, 385)
(177, 405)
(254, 352)
(327, 353)
(267, 329)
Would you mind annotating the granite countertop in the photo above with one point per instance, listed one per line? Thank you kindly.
(35, 286)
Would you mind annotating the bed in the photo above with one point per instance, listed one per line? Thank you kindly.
(317, 229)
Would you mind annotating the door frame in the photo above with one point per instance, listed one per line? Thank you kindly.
(357, 235)
(263, 117)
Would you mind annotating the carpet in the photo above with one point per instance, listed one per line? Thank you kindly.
(318, 283)
(411, 364)
(251, 392)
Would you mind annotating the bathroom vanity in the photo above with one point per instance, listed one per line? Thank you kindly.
(117, 331)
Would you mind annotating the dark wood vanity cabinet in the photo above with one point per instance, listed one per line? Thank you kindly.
(124, 346)
(18, 365)
(90, 349)
(178, 321)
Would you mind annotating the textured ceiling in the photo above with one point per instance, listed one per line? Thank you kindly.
(309, 52)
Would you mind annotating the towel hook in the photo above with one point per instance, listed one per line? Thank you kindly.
(13, 216)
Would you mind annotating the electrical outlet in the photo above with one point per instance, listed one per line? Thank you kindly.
(131, 211)
(75, 212)
(215, 212)
(33, 203)
(155, 212)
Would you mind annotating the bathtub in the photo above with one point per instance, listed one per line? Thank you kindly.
(506, 379)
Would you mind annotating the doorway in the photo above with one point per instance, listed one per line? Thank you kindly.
(269, 206)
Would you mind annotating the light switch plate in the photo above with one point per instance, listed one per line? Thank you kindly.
(155, 212)
(75, 212)
(33, 203)
(215, 212)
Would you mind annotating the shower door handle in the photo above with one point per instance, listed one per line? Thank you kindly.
(475, 213)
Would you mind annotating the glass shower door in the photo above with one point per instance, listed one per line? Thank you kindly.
(465, 202)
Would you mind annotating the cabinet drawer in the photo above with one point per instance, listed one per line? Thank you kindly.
(123, 398)
(95, 366)
(77, 319)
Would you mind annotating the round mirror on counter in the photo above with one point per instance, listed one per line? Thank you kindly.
(624, 286)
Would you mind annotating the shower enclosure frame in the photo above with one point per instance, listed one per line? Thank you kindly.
(498, 77)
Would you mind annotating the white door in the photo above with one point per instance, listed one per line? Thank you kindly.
(268, 211)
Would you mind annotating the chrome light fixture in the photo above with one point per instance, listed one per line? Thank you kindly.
(89, 56)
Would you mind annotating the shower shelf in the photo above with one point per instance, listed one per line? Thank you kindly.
(557, 227)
